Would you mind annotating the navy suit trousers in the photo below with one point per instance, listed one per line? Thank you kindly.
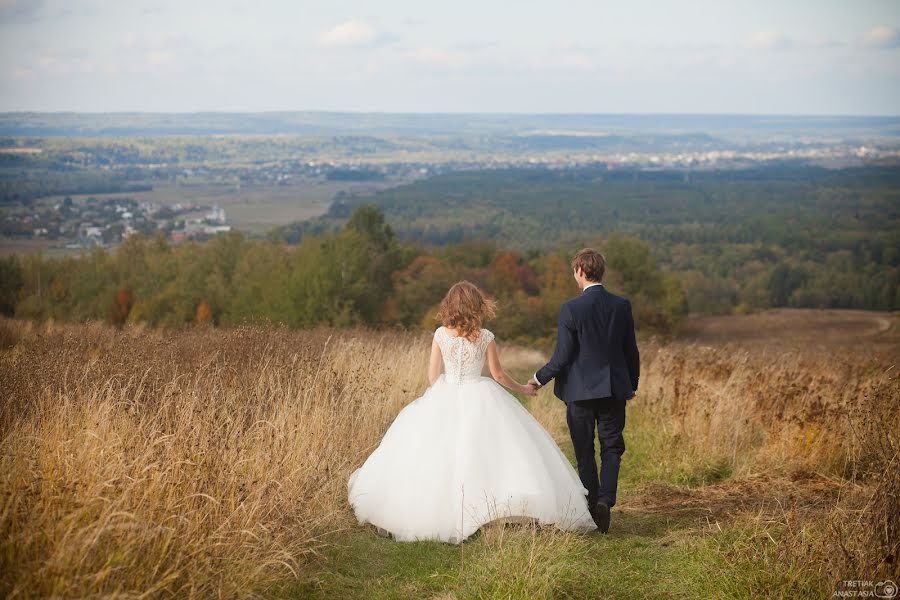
(607, 417)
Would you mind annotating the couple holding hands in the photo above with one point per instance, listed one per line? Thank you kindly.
(466, 452)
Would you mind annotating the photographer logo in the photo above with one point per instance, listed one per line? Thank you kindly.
(862, 588)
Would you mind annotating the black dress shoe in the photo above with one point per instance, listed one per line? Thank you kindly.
(600, 514)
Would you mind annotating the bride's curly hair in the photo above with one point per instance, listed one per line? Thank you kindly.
(464, 308)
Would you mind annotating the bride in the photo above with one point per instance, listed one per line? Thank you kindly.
(466, 452)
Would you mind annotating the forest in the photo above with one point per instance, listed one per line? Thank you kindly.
(738, 240)
(676, 242)
(360, 275)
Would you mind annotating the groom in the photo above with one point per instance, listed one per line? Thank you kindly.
(596, 367)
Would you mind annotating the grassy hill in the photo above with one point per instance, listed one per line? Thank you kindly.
(213, 462)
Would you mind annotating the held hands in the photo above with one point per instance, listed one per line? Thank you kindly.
(528, 390)
(531, 387)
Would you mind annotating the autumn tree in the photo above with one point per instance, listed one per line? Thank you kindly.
(417, 288)
(204, 314)
(120, 306)
(504, 274)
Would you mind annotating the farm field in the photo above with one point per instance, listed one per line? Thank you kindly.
(254, 209)
(213, 462)
(30, 246)
(256, 203)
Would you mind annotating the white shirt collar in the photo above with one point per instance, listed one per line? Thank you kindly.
(589, 286)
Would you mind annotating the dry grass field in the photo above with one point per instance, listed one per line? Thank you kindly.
(213, 463)
(800, 330)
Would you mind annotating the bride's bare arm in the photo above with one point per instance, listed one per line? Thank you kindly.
(435, 364)
(500, 376)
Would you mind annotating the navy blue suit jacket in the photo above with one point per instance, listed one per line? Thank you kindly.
(596, 353)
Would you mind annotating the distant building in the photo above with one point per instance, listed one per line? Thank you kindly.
(88, 232)
(195, 229)
(216, 215)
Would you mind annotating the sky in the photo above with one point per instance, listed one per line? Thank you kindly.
(834, 57)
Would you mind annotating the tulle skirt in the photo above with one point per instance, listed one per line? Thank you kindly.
(460, 456)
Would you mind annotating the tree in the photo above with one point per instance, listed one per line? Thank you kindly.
(556, 284)
(329, 280)
(657, 298)
(379, 259)
(259, 285)
(783, 281)
(120, 307)
(11, 282)
(204, 315)
(417, 288)
(370, 222)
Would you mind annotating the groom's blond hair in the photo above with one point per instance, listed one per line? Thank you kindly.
(591, 263)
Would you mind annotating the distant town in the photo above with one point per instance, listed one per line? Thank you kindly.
(106, 222)
(71, 181)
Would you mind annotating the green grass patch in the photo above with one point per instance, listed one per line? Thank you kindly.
(644, 556)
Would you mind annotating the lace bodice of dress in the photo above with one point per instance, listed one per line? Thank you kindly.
(463, 359)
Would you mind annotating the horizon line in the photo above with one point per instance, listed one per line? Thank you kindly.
(444, 113)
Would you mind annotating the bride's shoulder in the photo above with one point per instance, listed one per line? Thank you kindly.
(487, 336)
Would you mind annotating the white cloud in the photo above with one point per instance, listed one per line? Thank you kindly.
(769, 40)
(562, 61)
(159, 58)
(20, 74)
(152, 40)
(881, 36)
(826, 43)
(53, 62)
(154, 51)
(349, 34)
(438, 57)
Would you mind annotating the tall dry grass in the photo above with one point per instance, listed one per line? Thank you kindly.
(201, 463)
(829, 409)
(760, 408)
(211, 463)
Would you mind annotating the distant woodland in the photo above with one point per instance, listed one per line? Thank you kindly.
(786, 236)
(676, 243)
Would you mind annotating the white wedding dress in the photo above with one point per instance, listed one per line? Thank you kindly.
(463, 454)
